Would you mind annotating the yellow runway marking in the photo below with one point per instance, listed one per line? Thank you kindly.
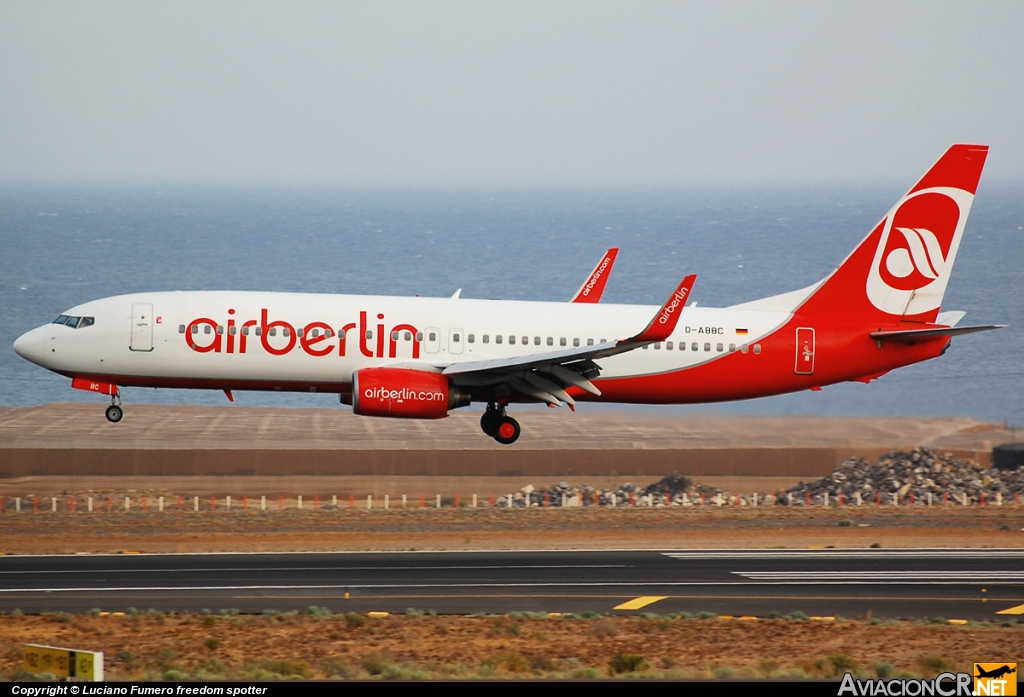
(1019, 610)
(642, 601)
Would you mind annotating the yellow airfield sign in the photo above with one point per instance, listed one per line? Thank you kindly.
(65, 663)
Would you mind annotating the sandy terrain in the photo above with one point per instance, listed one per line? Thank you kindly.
(155, 646)
(462, 529)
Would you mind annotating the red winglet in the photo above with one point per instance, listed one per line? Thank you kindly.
(664, 323)
(593, 287)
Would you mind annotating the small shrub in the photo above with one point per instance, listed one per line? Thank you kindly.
(884, 670)
(768, 666)
(355, 621)
(413, 612)
(706, 615)
(934, 665)
(95, 612)
(723, 672)
(605, 628)
(938, 620)
(590, 615)
(209, 621)
(628, 663)
(846, 523)
(131, 611)
(842, 663)
(212, 643)
(125, 655)
(376, 663)
(286, 667)
(175, 675)
(585, 674)
(799, 616)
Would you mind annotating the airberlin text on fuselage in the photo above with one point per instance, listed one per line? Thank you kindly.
(317, 338)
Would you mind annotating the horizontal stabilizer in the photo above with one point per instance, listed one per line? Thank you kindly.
(906, 335)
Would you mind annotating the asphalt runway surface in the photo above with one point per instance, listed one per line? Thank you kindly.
(972, 584)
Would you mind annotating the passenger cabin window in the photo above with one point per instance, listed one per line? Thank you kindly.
(526, 341)
(207, 330)
(707, 347)
(432, 337)
(590, 342)
(181, 328)
(220, 329)
(195, 328)
(512, 339)
(657, 346)
(757, 348)
(551, 341)
(286, 331)
(232, 330)
(470, 338)
(245, 331)
(693, 346)
(394, 336)
(732, 348)
(259, 331)
(575, 342)
(536, 341)
(273, 331)
(743, 348)
(561, 342)
(487, 338)
(719, 348)
(455, 338)
(497, 338)
(668, 345)
(408, 336)
(419, 336)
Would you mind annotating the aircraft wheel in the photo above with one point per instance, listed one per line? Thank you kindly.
(507, 431)
(488, 422)
(114, 413)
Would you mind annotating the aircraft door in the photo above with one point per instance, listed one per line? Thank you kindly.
(142, 327)
(431, 339)
(804, 351)
(456, 339)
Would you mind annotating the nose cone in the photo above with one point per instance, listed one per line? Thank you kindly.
(30, 345)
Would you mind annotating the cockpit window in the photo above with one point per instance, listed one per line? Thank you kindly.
(75, 322)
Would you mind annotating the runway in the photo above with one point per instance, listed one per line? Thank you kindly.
(923, 583)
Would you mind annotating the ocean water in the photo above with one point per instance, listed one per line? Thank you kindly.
(63, 245)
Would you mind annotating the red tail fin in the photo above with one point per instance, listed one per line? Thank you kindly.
(900, 270)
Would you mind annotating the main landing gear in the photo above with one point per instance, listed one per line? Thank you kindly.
(114, 412)
(499, 425)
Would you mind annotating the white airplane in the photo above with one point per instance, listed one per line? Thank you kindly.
(422, 357)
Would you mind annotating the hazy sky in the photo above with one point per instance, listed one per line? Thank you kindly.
(455, 93)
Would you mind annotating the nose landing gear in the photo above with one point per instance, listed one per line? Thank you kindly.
(114, 412)
(498, 425)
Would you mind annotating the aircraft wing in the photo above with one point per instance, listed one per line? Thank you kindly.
(546, 376)
(593, 287)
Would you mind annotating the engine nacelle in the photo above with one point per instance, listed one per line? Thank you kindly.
(404, 393)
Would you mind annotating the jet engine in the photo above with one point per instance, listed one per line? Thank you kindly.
(404, 393)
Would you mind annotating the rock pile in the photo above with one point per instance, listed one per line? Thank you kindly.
(673, 490)
(920, 476)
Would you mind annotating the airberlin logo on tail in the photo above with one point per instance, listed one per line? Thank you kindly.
(678, 298)
(596, 276)
(917, 248)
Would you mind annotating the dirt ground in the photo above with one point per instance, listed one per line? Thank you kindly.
(154, 646)
(293, 530)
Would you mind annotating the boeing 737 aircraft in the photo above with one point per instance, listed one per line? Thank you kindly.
(419, 358)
